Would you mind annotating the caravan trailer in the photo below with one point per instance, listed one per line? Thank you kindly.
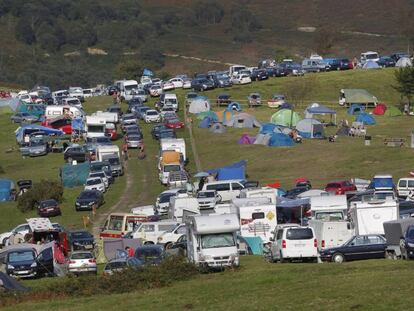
(329, 207)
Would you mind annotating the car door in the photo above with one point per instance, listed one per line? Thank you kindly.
(45, 262)
(275, 247)
(355, 249)
(375, 247)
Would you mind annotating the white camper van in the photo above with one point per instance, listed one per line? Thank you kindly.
(369, 56)
(174, 144)
(182, 202)
(127, 88)
(58, 111)
(110, 117)
(235, 69)
(259, 192)
(331, 233)
(104, 152)
(212, 240)
(95, 127)
(368, 217)
(257, 217)
(329, 207)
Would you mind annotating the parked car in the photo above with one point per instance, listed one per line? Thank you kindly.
(398, 55)
(77, 153)
(101, 175)
(407, 243)
(357, 248)
(116, 109)
(314, 65)
(180, 245)
(340, 187)
(167, 239)
(207, 199)
(202, 84)
(155, 132)
(81, 240)
(95, 183)
(293, 242)
(167, 133)
(276, 71)
(174, 123)
(294, 192)
(223, 99)
(152, 116)
(177, 82)
(21, 229)
(133, 140)
(221, 80)
(129, 118)
(23, 117)
(167, 86)
(63, 124)
(49, 208)
(405, 186)
(167, 111)
(119, 265)
(187, 84)
(150, 254)
(259, 74)
(241, 79)
(81, 262)
(254, 99)
(276, 101)
(386, 61)
(21, 262)
(340, 64)
(35, 148)
(89, 198)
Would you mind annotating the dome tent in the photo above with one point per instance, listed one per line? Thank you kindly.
(404, 62)
(380, 109)
(199, 104)
(365, 118)
(285, 117)
(280, 140)
(355, 109)
(392, 111)
(371, 65)
(206, 123)
(246, 139)
(217, 128)
(242, 120)
(310, 128)
(234, 106)
(211, 114)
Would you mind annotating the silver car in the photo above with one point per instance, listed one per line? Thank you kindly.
(23, 117)
(82, 262)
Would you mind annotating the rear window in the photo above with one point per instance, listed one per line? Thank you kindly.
(219, 187)
(333, 185)
(81, 256)
(299, 234)
(260, 215)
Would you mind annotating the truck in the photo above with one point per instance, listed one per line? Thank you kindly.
(174, 144)
(182, 202)
(95, 127)
(170, 161)
(257, 217)
(212, 240)
(368, 217)
(331, 233)
(394, 231)
(111, 154)
(331, 207)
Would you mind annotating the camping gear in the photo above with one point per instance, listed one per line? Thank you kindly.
(6, 190)
(74, 175)
(268, 128)
(365, 118)
(404, 62)
(392, 111)
(343, 131)
(234, 106)
(242, 120)
(371, 65)
(357, 129)
(317, 109)
(232, 171)
(217, 128)
(380, 109)
(280, 140)
(199, 104)
(246, 139)
(355, 109)
(285, 117)
(263, 139)
(310, 128)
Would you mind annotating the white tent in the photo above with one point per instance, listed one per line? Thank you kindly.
(404, 62)
(199, 104)
(371, 65)
(310, 128)
(242, 120)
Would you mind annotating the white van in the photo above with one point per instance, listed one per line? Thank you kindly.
(167, 239)
(292, 242)
(126, 88)
(404, 186)
(369, 56)
(259, 192)
(95, 127)
(182, 202)
(170, 100)
(149, 232)
(331, 233)
(227, 190)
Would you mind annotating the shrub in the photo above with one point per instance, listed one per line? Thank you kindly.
(43, 190)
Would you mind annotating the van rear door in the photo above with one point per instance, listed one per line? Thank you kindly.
(300, 243)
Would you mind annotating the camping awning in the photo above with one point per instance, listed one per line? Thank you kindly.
(359, 96)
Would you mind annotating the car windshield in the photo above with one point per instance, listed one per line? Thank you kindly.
(113, 161)
(80, 235)
(48, 203)
(172, 168)
(329, 216)
(134, 138)
(299, 234)
(371, 56)
(217, 240)
(95, 181)
(87, 195)
(85, 255)
(151, 113)
(165, 198)
(153, 252)
(207, 194)
(21, 256)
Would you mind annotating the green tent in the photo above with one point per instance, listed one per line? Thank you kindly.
(392, 111)
(285, 117)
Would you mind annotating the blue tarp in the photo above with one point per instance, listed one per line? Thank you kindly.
(74, 175)
(233, 171)
(290, 203)
(267, 128)
(77, 124)
(365, 118)
(280, 140)
(6, 186)
(255, 244)
(20, 132)
(355, 109)
(382, 183)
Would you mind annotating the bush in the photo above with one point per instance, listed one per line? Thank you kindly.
(43, 190)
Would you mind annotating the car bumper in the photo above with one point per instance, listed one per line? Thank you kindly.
(84, 207)
(50, 214)
(83, 270)
(22, 273)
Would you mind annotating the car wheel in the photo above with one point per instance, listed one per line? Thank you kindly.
(168, 245)
(338, 258)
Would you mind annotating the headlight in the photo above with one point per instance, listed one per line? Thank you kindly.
(410, 244)
(91, 203)
(33, 265)
(77, 204)
(204, 85)
(10, 267)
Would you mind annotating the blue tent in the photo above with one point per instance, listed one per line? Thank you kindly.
(267, 128)
(254, 243)
(280, 140)
(233, 171)
(31, 128)
(234, 106)
(365, 118)
(74, 175)
(77, 124)
(355, 109)
(6, 186)
(206, 122)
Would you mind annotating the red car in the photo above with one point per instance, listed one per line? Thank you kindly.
(340, 187)
(62, 124)
(173, 123)
(110, 129)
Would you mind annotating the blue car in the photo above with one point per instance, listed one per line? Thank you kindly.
(202, 84)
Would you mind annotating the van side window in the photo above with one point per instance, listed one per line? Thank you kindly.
(211, 187)
(168, 228)
(411, 184)
(148, 228)
(181, 230)
(402, 183)
(260, 215)
(236, 186)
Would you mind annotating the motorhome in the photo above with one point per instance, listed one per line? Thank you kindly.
(149, 232)
(94, 127)
(119, 224)
(212, 240)
(110, 117)
(175, 144)
(127, 88)
(103, 152)
(76, 92)
(329, 207)
(257, 217)
(182, 202)
(235, 69)
(57, 111)
(368, 217)
(331, 233)
(259, 192)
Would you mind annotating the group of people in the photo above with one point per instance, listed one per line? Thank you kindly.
(141, 150)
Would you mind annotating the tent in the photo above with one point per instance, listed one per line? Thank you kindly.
(31, 128)
(317, 109)
(355, 109)
(371, 65)
(74, 175)
(11, 103)
(242, 120)
(285, 117)
(365, 118)
(224, 116)
(392, 111)
(199, 104)
(217, 128)
(232, 171)
(246, 139)
(380, 109)
(206, 123)
(263, 139)
(211, 114)
(254, 243)
(357, 96)
(11, 284)
(310, 128)
(280, 140)
(234, 106)
(6, 187)
(404, 62)
(268, 128)
(37, 110)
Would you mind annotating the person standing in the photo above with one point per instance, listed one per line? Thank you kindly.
(125, 150)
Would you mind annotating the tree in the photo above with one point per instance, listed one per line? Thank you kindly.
(24, 32)
(243, 19)
(43, 190)
(128, 69)
(298, 89)
(405, 82)
(209, 12)
(325, 39)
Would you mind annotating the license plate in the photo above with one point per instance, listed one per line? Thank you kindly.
(22, 272)
(50, 209)
(88, 246)
(299, 245)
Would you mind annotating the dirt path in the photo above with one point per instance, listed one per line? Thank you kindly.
(189, 125)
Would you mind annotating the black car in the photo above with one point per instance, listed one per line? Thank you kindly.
(386, 61)
(115, 109)
(112, 89)
(397, 56)
(78, 153)
(81, 240)
(167, 133)
(276, 71)
(407, 244)
(49, 208)
(202, 84)
(155, 132)
(181, 245)
(223, 99)
(259, 74)
(150, 254)
(340, 64)
(87, 199)
(294, 192)
(220, 80)
(357, 248)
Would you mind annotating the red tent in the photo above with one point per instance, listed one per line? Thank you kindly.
(380, 109)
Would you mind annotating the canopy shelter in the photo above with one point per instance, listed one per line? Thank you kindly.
(199, 104)
(232, 171)
(314, 110)
(285, 117)
(357, 96)
(22, 131)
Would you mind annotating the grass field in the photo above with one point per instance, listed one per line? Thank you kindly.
(257, 285)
